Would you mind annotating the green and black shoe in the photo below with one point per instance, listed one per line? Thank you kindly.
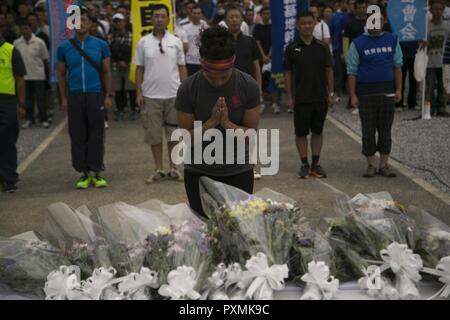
(99, 182)
(84, 182)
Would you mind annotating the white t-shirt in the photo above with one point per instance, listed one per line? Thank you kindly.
(33, 54)
(322, 32)
(161, 75)
(181, 34)
(193, 32)
(244, 27)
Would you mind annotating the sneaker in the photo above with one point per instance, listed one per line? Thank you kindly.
(304, 171)
(386, 172)
(106, 125)
(317, 171)
(158, 176)
(290, 110)
(355, 111)
(45, 124)
(257, 175)
(370, 172)
(99, 182)
(261, 110)
(84, 182)
(27, 124)
(9, 188)
(175, 175)
(276, 108)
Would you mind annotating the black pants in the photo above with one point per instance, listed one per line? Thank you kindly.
(243, 181)
(87, 131)
(435, 82)
(377, 115)
(36, 92)
(122, 98)
(192, 68)
(9, 133)
(339, 73)
(408, 67)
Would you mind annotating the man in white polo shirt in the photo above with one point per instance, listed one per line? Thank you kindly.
(160, 68)
(35, 56)
(193, 30)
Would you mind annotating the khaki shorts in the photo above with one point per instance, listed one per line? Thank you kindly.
(156, 115)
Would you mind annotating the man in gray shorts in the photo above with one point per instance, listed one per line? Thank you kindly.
(160, 68)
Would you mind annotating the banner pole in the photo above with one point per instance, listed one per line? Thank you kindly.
(174, 15)
(425, 113)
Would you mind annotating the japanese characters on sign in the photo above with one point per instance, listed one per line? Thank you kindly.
(407, 19)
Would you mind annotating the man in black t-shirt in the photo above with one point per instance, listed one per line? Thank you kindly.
(309, 63)
(354, 28)
(247, 53)
(355, 25)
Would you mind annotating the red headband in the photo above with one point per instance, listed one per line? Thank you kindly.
(216, 66)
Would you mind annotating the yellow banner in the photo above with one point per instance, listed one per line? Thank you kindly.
(141, 16)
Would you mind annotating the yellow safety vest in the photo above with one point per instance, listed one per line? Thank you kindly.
(7, 80)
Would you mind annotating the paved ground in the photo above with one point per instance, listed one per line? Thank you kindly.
(50, 178)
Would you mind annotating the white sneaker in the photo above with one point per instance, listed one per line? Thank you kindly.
(256, 175)
(45, 124)
(26, 124)
(106, 125)
(290, 111)
(276, 108)
(355, 111)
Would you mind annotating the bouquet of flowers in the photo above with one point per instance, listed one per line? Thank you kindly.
(309, 245)
(432, 236)
(245, 225)
(371, 224)
(184, 248)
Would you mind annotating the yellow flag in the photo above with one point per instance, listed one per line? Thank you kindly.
(141, 16)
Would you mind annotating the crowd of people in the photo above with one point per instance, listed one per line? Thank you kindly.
(219, 55)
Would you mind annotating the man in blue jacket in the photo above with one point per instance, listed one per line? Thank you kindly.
(374, 70)
(87, 76)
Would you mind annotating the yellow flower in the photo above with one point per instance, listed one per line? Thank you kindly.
(163, 231)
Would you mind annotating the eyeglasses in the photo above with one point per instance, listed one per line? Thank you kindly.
(160, 47)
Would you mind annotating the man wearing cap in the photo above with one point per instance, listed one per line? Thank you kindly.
(12, 92)
(160, 68)
(120, 43)
(85, 62)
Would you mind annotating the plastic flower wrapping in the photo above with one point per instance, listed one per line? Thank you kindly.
(245, 225)
(369, 224)
(251, 247)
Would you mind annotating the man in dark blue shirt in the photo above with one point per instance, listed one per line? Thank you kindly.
(87, 80)
(337, 26)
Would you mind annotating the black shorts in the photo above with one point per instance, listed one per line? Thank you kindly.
(310, 117)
